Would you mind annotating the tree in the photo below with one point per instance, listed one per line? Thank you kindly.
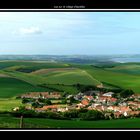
(115, 95)
(45, 101)
(35, 104)
(72, 100)
(126, 93)
(64, 101)
(24, 100)
(71, 114)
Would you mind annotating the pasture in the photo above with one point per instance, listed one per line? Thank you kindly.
(70, 77)
(10, 87)
(9, 103)
(7, 121)
(122, 80)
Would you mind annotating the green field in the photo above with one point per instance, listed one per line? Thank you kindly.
(133, 69)
(12, 122)
(35, 65)
(70, 77)
(10, 87)
(7, 104)
(62, 76)
(122, 80)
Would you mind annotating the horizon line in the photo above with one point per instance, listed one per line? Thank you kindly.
(70, 54)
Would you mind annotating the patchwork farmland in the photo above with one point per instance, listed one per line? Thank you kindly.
(21, 77)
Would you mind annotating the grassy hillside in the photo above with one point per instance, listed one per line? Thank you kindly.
(60, 76)
(127, 68)
(69, 77)
(10, 87)
(119, 79)
(30, 66)
(66, 88)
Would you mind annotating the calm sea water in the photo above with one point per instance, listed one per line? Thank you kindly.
(124, 60)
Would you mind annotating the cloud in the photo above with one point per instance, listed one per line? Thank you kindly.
(30, 30)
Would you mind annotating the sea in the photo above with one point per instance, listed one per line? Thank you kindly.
(126, 59)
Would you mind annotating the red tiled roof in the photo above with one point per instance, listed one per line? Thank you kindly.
(134, 112)
(104, 97)
(45, 94)
(124, 108)
(85, 102)
(113, 99)
(50, 106)
(88, 97)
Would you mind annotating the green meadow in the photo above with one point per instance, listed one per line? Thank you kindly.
(70, 77)
(7, 104)
(10, 87)
(62, 77)
(122, 80)
(12, 122)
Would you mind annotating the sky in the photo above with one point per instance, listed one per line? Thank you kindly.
(69, 33)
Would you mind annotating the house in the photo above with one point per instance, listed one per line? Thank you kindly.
(49, 107)
(123, 104)
(117, 114)
(16, 109)
(114, 108)
(136, 95)
(88, 97)
(108, 94)
(134, 103)
(55, 95)
(100, 86)
(78, 96)
(80, 105)
(62, 109)
(133, 107)
(44, 95)
(90, 108)
(103, 99)
(124, 109)
(85, 102)
(125, 114)
(113, 100)
(99, 108)
(69, 96)
(95, 104)
(133, 113)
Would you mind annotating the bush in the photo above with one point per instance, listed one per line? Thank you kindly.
(45, 101)
(92, 115)
(126, 93)
(70, 114)
(24, 112)
(27, 100)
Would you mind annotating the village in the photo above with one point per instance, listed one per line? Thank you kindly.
(107, 103)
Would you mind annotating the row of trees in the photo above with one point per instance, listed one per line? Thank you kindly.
(82, 114)
(124, 93)
(40, 102)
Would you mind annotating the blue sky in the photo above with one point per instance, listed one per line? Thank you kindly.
(68, 33)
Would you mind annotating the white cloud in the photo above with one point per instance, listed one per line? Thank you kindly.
(30, 30)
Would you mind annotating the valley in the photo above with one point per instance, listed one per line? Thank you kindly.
(18, 77)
